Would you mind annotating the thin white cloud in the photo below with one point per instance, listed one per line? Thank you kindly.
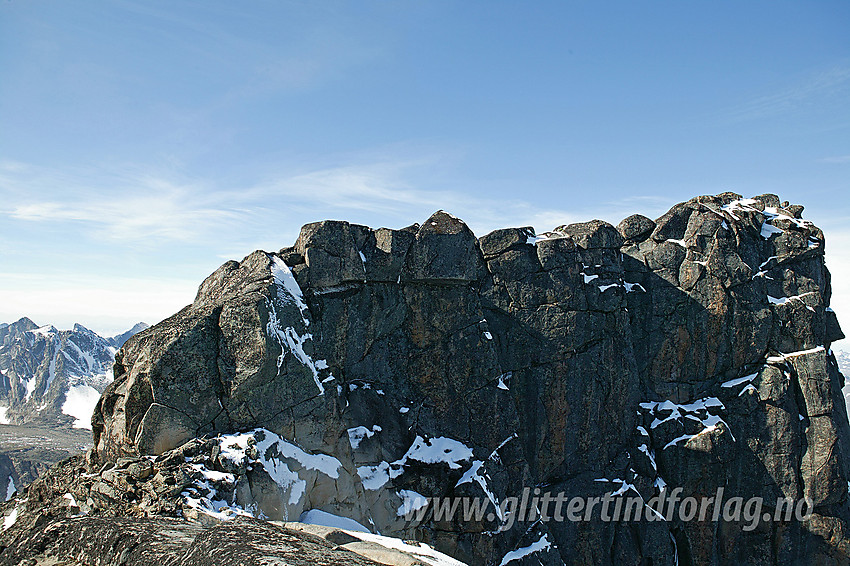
(165, 213)
(146, 208)
(817, 87)
(835, 159)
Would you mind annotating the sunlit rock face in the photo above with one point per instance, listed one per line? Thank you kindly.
(360, 370)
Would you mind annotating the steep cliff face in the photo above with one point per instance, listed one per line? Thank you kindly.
(361, 369)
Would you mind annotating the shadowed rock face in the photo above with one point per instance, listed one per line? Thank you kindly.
(362, 366)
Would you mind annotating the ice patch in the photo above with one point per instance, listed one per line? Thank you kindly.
(421, 551)
(520, 553)
(323, 463)
(494, 455)
(632, 287)
(80, 401)
(477, 474)
(285, 280)
(768, 230)
(649, 454)
(739, 381)
(45, 331)
(701, 411)
(3, 418)
(376, 476)
(439, 450)
(411, 502)
(51, 368)
(29, 385)
(273, 453)
(748, 388)
(532, 238)
(770, 215)
(358, 433)
(325, 519)
(10, 489)
(782, 357)
(10, 519)
(204, 498)
(289, 340)
(678, 439)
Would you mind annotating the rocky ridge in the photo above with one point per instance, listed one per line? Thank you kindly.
(360, 370)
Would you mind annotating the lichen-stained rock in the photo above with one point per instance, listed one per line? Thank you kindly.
(636, 228)
(444, 250)
(592, 235)
(361, 371)
(330, 254)
(91, 541)
(500, 241)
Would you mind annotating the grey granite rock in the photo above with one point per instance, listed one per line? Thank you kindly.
(361, 367)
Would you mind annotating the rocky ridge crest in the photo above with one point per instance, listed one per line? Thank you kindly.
(360, 369)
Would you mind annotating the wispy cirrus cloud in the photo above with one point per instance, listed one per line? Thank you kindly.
(831, 84)
(835, 159)
(133, 207)
(148, 210)
(152, 210)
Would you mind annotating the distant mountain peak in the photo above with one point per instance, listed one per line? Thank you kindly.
(119, 340)
(139, 326)
(50, 375)
(80, 328)
(23, 324)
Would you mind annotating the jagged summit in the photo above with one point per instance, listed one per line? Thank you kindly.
(119, 340)
(54, 377)
(23, 324)
(362, 369)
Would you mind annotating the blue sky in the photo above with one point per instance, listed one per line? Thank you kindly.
(144, 143)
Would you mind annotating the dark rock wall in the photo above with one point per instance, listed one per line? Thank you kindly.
(691, 351)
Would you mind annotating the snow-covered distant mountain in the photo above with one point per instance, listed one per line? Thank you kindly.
(54, 377)
(118, 341)
(843, 359)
